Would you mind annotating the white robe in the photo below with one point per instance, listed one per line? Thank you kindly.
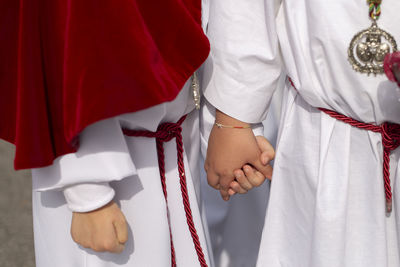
(108, 166)
(327, 202)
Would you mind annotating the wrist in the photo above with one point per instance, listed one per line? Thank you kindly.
(225, 119)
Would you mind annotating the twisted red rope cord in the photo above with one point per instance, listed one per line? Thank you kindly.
(161, 167)
(390, 133)
(165, 133)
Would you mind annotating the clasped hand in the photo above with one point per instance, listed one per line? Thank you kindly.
(236, 161)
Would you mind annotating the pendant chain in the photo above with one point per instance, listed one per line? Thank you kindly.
(374, 9)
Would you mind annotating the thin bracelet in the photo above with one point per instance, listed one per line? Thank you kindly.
(219, 125)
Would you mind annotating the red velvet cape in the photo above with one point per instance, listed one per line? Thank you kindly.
(65, 64)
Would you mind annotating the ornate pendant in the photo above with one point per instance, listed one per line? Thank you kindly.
(195, 86)
(368, 49)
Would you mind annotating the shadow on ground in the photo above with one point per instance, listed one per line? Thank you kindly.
(16, 237)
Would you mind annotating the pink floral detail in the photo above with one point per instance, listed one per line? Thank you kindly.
(391, 65)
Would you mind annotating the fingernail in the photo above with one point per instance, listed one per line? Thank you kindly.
(237, 175)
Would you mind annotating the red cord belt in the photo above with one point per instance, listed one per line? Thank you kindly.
(165, 133)
(390, 133)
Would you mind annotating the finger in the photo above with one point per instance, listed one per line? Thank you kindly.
(213, 180)
(225, 181)
(121, 230)
(237, 188)
(267, 177)
(82, 240)
(224, 194)
(231, 192)
(112, 246)
(265, 170)
(266, 158)
(255, 178)
(243, 180)
(106, 241)
(119, 248)
(267, 150)
(104, 238)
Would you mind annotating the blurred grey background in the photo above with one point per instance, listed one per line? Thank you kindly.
(16, 235)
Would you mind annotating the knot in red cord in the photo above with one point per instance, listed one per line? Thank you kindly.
(390, 136)
(168, 131)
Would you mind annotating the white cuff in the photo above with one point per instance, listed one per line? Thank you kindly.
(258, 129)
(88, 197)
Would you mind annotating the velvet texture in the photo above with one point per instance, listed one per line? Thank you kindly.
(68, 63)
(391, 65)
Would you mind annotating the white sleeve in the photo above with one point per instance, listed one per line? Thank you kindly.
(246, 63)
(88, 197)
(103, 156)
(258, 129)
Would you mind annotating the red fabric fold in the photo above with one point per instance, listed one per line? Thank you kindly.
(391, 66)
(68, 63)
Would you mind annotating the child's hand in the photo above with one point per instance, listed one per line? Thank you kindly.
(229, 150)
(104, 229)
(247, 178)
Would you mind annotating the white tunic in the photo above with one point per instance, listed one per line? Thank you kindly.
(327, 202)
(108, 166)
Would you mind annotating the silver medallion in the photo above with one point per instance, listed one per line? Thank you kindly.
(368, 49)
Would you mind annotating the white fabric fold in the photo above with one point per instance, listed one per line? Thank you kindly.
(103, 156)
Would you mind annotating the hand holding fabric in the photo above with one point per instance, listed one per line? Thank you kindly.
(104, 229)
(391, 66)
(229, 150)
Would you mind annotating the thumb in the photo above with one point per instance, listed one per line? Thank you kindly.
(266, 170)
(267, 150)
(121, 230)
